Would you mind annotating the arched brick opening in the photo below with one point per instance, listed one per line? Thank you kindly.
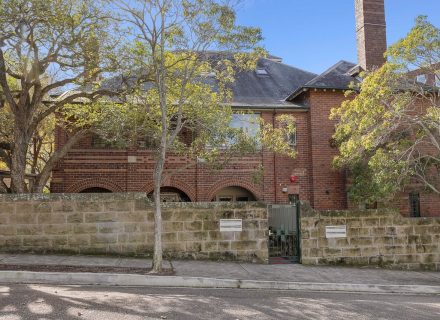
(182, 186)
(233, 183)
(94, 183)
(96, 190)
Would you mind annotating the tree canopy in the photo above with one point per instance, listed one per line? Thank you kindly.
(388, 132)
(47, 48)
(183, 57)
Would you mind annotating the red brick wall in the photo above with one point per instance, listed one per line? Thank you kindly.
(85, 167)
(318, 181)
(328, 183)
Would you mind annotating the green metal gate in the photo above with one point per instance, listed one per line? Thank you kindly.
(284, 234)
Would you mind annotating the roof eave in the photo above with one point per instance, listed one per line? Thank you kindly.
(302, 89)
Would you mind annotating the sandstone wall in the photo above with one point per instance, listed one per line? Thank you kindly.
(374, 237)
(123, 224)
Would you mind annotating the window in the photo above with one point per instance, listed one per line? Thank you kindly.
(291, 139)
(437, 79)
(414, 204)
(421, 78)
(225, 198)
(247, 123)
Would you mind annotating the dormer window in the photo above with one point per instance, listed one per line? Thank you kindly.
(421, 78)
(261, 72)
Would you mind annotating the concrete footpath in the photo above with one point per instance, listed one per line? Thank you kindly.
(203, 274)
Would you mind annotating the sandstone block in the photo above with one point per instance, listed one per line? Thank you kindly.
(57, 229)
(85, 228)
(137, 237)
(50, 218)
(193, 247)
(110, 227)
(244, 245)
(89, 206)
(211, 225)
(7, 208)
(8, 230)
(171, 226)
(104, 238)
(23, 218)
(100, 217)
(63, 206)
(59, 241)
(209, 246)
(224, 245)
(131, 227)
(36, 241)
(75, 217)
(191, 236)
(118, 206)
(24, 207)
(174, 247)
(169, 237)
(29, 229)
(193, 225)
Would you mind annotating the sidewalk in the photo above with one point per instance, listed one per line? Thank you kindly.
(225, 274)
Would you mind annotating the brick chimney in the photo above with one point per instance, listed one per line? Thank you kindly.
(370, 33)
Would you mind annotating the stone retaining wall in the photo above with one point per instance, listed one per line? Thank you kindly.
(374, 237)
(123, 224)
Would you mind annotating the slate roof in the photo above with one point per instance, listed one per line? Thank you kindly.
(276, 87)
(336, 77)
(269, 90)
(250, 90)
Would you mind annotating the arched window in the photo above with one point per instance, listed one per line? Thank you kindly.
(170, 194)
(95, 190)
(233, 194)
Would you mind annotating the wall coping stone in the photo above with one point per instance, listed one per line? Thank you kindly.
(51, 197)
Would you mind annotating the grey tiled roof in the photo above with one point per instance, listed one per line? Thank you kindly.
(336, 77)
(250, 90)
(253, 90)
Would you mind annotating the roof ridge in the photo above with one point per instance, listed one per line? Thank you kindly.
(327, 71)
(292, 67)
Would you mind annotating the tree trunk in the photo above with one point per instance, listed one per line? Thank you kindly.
(18, 159)
(3, 188)
(43, 177)
(158, 254)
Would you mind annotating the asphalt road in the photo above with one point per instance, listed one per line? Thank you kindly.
(107, 303)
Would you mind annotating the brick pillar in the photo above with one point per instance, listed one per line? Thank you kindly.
(370, 33)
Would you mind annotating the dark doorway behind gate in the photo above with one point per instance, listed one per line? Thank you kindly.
(284, 245)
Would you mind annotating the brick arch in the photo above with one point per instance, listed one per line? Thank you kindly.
(219, 185)
(93, 183)
(182, 186)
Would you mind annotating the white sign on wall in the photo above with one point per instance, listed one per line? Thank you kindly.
(231, 224)
(336, 232)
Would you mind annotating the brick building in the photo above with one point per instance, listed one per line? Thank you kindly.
(271, 89)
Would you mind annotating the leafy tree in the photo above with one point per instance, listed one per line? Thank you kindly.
(389, 132)
(47, 47)
(179, 87)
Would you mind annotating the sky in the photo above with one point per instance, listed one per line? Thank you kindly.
(315, 34)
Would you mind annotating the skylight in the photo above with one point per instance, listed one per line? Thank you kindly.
(261, 72)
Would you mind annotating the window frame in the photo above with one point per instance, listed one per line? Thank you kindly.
(414, 204)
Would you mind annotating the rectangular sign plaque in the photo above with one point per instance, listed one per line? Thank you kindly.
(231, 225)
(336, 232)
